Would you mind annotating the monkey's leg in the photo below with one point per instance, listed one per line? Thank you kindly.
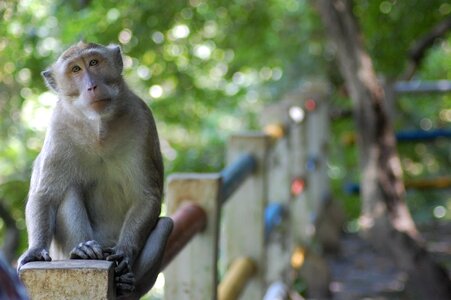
(147, 266)
(74, 232)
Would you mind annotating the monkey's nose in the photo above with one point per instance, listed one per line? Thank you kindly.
(92, 88)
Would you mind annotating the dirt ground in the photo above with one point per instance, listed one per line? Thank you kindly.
(358, 272)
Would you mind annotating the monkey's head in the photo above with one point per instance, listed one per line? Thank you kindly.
(88, 77)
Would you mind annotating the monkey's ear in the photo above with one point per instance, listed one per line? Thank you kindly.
(50, 80)
(117, 55)
(81, 43)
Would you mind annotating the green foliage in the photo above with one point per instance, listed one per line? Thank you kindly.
(206, 68)
(390, 28)
(300, 286)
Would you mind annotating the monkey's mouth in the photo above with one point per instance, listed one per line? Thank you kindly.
(101, 104)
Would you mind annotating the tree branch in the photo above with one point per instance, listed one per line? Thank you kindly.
(417, 51)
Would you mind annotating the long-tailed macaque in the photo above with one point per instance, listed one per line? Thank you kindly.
(97, 185)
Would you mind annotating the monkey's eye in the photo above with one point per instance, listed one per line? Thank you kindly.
(93, 62)
(76, 69)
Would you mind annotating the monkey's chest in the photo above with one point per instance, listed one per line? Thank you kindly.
(113, 187)
(107, 206)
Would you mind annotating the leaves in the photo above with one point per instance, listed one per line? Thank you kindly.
(206, 68)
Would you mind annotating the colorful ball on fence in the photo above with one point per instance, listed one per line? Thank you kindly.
(310, 105)
(297, 186)
(297, 114)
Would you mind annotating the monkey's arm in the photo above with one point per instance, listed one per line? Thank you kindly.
(39, 232)
(40, 215)
(143, 215)
(137, 227)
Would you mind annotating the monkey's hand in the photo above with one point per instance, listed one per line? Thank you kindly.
(87, 250)
(34, 254)
(123, 275)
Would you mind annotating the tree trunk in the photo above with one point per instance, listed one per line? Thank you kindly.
(385, 218)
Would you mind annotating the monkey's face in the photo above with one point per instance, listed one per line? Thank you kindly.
(88, 77)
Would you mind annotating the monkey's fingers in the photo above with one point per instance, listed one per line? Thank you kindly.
(115, 257)
(128, 278)
(87, 250)
(77, 253)
(42, 255)
(45, 255)
(118, 257)
(125, 284)
(95, 249)
(34, 255)
(122, 268)
(123, 289)
(107, 251)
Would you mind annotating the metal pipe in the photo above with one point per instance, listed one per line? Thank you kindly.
(189, 220)
(417, 86)
(235, 174)
(236, 278)
(273, 217)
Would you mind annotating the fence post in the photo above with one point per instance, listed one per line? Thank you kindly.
(314, 269)
(192, 275)
(69, 279)
(279, 178)
(301, 229)
(244, 225)
(315, 95)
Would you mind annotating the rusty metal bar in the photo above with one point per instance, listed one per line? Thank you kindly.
(189, 220)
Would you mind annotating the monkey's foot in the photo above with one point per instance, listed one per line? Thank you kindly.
(125, 284)
(87, 250)
(122, 265)
(124, 278)
(34, 254)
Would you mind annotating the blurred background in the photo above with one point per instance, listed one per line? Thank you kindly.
(207, 69)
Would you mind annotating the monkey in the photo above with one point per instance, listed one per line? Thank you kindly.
(97, 185)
